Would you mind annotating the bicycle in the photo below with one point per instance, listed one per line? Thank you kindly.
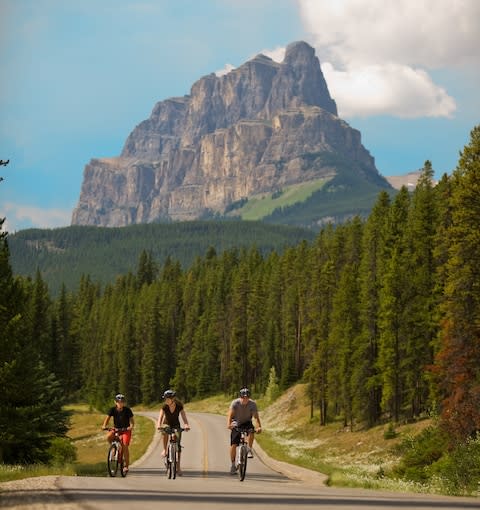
(115, 454)
(242, 452)
(173, 450)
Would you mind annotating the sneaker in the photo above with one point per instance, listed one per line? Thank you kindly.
(233, 470)
(125, 470)
(250, 453)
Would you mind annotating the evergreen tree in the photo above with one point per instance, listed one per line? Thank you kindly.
(394, 296)
(420, 309)
(366, 379)
(30, 399)
(458, 361)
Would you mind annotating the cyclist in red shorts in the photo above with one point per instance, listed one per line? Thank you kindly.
(122, 419)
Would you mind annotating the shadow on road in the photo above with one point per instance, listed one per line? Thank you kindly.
(274, 477)
(251, 498)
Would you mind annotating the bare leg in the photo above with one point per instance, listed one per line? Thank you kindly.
(126, 455)
(165, 440)
(233, 451)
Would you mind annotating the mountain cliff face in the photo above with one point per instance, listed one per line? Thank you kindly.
(259, 128)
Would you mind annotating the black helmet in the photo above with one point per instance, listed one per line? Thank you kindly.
(169, 394)
(244, 392)
(119, 397)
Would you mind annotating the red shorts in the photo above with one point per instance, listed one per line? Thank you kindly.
(125, 436)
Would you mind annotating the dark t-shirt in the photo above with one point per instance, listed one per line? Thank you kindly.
(172, 419)
(121, 418)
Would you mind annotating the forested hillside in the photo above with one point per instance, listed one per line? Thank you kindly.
(381, 318)
(63, 255)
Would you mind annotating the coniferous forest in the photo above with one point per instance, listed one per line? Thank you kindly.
(381, 317)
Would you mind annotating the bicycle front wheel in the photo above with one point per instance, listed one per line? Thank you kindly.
(242, 467)
(122, 464)
(112, 460)
(171, 467)
(174, 461)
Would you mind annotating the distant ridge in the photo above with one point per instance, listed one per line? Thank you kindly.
(63, 255)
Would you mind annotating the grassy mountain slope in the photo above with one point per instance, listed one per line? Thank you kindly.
(334, 198)
(64, 254)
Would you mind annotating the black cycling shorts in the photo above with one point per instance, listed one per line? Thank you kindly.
(235, 435)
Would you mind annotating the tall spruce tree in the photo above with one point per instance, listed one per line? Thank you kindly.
(420, 309)
(458, 362)
(394, 296)
(31, 398)
(366, 378)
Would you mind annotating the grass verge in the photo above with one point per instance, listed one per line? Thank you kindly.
(90, 444)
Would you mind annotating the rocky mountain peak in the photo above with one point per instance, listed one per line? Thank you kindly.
(259, 127)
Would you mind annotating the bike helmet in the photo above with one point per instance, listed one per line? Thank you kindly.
(119, 397)
(169, 394)
(244, 392)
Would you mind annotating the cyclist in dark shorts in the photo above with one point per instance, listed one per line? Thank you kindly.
(122, 419)
(170, 415)
(240, 414)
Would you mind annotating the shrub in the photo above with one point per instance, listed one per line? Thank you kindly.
(459, 470)
(62, 451)
(390, 432)
(420, 452)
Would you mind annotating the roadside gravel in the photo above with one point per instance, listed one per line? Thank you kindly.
(38, 493)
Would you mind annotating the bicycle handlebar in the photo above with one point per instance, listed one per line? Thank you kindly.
(170, 430)
(115, 429)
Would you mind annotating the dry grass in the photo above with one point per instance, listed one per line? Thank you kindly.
(359, 459)
(90, 440)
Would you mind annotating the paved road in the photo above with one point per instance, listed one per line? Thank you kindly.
(207, 484)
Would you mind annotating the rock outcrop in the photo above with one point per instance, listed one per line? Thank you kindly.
(253, 130)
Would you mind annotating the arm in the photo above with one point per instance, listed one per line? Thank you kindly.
(161, 418)
(186, 426)
(229, 418)
(257, 419)
(105, 422)
(132, 423)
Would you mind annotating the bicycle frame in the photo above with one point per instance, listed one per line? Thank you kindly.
(173, 450)
(115, 454)
(242, 452)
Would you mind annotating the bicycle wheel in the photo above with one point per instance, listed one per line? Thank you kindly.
(174, 461)
(170, 453)
(242, 467)
(112, 460)
(122, 464)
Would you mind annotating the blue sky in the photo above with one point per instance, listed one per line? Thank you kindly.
(78, 76)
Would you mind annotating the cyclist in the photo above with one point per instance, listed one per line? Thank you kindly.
(122, 419)
(170, 414)
(240, 415)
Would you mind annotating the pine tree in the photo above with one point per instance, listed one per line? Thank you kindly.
(458, 362)
(367, 403)
(31, 399)
(420, 309)
(394, 296)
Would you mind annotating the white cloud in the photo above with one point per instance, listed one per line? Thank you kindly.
(26, 216)
(278, 54)
(395, 89)
(429, 33)
(225, 70)
(376, 54)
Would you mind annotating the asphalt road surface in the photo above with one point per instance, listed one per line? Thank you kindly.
(207, 484)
